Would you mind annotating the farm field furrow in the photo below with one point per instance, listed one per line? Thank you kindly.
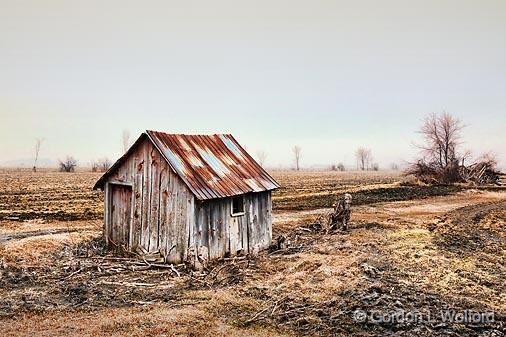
(415, 248)
(65, 196)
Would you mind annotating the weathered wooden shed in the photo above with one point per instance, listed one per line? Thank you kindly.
(187, 194)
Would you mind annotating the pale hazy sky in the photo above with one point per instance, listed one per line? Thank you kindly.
(327, 75)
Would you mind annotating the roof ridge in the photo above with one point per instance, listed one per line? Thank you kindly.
(189, 134)
(212, 166)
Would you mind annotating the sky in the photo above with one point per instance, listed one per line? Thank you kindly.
(329, 76)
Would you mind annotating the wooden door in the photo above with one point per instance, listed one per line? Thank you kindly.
(121, 216)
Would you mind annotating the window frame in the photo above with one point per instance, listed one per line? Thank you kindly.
(241, 197)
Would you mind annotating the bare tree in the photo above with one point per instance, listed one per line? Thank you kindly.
(440, 150)
(104, 164)
(442, 137)
(125, 138)
(101, 165)
(364, 157)
(38, 144)
(68, 165)
(261, 157)
(94, 166)
(297, 151)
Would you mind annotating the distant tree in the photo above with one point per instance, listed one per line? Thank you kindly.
(68, 165)
(375, 167)
(125, 138)
(94, 166)
(338, 167)
(394, 167)
(364, 157)
(101, 165)
(104, 164)
(261, 157)
(38, 144)
(297, 151)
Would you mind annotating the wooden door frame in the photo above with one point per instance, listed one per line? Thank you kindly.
(108, 209)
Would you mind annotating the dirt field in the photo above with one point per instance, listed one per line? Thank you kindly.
(409, 249)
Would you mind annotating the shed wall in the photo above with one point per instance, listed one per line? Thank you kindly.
(223, 234)
(163, 207)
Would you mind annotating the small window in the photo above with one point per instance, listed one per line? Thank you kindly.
(237, 206)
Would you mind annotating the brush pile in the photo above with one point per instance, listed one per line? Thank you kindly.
(481, 173)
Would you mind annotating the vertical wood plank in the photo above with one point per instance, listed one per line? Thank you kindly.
(155, 200)
(251, 228)
(107, 213)
(203, 225)
(115, 208)
(190, 223)
(269, 218)
(169, 242)
(212, 232)
(225, 226)
(118, 197)
(182, 238)
(172, 256)
(138, 201)
(146, 202)
(133, 180)
(127, 216)
(233, 228)
(164, 199)
(208, 222)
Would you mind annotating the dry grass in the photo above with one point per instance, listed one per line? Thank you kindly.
(156, 320)
(396, 253)
(39, 241)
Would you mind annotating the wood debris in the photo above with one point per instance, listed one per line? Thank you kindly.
(482, 173)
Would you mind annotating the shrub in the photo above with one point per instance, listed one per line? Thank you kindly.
(68, 165)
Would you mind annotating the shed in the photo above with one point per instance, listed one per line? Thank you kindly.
(179, 194)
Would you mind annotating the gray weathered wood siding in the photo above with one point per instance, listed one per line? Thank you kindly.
(223, 234)
(163, 207)
(166, 216)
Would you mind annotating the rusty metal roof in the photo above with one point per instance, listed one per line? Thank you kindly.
(212, 166)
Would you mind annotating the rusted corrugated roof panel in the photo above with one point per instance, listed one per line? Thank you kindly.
(213, 166)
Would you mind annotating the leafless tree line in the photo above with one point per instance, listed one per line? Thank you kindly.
(100, 165)
(69, 164)
(261, 157)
